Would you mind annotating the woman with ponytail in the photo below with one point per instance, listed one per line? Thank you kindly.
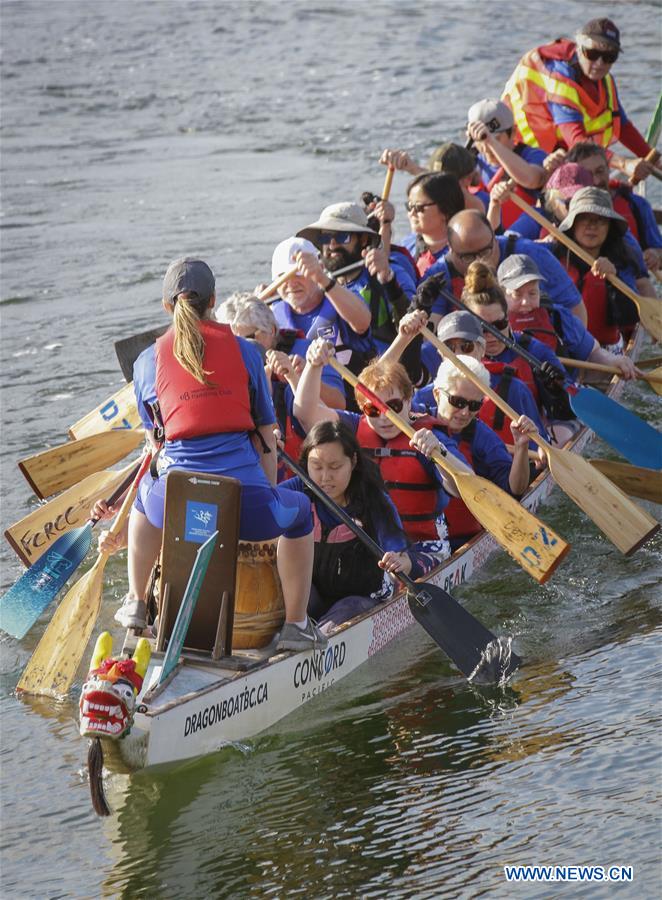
(204, 392)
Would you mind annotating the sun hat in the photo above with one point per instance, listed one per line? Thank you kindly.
(452, 159)
(568, 179)
(283, 255)
(603, 30)
(493, 113)
(516, 270)
(346, 216)
(460, 325)
(592, 200)
(188, 274)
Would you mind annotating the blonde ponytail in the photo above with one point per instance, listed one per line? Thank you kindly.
(189, 344)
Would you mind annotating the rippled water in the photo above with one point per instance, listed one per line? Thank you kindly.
(134, 132)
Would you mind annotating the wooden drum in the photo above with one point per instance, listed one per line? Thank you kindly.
(259, 610)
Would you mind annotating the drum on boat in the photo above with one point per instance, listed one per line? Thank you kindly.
(259, 610)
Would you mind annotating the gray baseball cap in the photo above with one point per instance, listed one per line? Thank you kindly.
(462, 326)
(188, 274)
(493, 113)
(516, 270)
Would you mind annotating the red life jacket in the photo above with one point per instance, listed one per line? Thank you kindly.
(510, 212)
(425, 260)
(461, 523)
(522, 370)
(537, 323)
(532, 87)
(490, 413)
(622, 205)
(594, 294)
(457, 280)
(191, 409)
(410, 486)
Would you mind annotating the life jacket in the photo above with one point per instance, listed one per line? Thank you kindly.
(521, 368)
(190, 409)
(490, 413)
(411, 488)
(510, 212)
(461, 523)
(532, 87)
(425, 258)
(537, 323)
(457, 280)
(599, 302)
(621, 197)
(341, 566)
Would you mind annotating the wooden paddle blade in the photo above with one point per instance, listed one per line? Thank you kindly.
(25, 601)
(634, 439)
(35, 533)
(55, 661)
(129, 349)
(656, 381)
(531, 543)
(625, 524)
(650, 315)
(635, 481)
(467, 643)
(63, 466)
(118, 411)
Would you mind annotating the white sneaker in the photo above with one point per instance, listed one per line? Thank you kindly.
(294, 638)
(132, 613)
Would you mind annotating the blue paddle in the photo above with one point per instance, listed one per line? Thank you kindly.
(634, 439)
(37, 587)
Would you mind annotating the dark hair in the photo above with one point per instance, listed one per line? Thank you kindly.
(366, 492)
(443, 189)
(614, 247)
(481, 286)
(584, 150)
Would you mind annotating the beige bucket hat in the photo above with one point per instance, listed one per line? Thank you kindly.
(592, 200)
(344, 216)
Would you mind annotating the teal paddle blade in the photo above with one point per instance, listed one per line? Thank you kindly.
(25, 601)
(634, 439)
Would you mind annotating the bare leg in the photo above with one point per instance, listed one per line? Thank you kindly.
(295, 567)
(144, 546)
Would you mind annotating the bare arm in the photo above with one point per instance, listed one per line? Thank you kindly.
(410, 325)
(268, 460)
(525, 174)
(348, 305)
(518, 479)
(308, 406)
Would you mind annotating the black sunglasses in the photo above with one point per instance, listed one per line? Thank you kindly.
(340, 237)
(500, 324)
(607, 56)
(372, 411)
(462, 402)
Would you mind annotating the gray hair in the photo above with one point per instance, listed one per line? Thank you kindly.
(243, 308)
(447, 372)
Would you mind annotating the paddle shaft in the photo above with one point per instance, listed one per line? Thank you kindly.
(611, 370)
(273, 287)
(388, 182)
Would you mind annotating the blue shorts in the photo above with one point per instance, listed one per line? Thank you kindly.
(266, 512)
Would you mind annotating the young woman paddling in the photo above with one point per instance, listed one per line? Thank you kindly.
(432, 200)
(413, 481)
(214, 405)
(347, 581)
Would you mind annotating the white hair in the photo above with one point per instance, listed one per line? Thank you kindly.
(246, 309)
(447, 372)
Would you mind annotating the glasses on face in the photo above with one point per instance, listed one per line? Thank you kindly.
(340, 237)
(476, 254)
(458, 346)
(372, 412)
(500, 324)
(418, 207)
(607, 56)
(462, 402)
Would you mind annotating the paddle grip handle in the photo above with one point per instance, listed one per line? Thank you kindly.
(388, 181)
(117, 493)
(340, 513)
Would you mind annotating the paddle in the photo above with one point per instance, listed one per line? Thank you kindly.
(388, 182)
(650, 310)
(476, 652)
(271, 289)
(33, 535)
(622, 521)
(129, 349)
(53, 665)
(117, 412)
(65, 465)
(532, 544)
(623, 430)
(651, 363)
(25, 601)
(654, 378)
(635, 481)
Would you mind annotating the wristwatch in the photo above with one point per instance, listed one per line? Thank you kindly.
(330, 285)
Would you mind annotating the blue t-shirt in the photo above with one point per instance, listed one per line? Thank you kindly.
(230, 453)
(490, 458)
(569, 68)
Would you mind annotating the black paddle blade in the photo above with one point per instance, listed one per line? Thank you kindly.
(478, 654)
(129, 349)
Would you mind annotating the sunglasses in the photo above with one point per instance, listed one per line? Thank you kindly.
(462, 402)
(459, 346)
(607, 56)
(477, 254)
(500, 324)
(372, 412)
(340, 237)
(418, 207)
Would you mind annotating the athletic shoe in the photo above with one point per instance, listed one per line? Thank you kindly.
(132, 613)
(294, 638)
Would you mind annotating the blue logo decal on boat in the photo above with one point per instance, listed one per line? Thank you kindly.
(200, 521)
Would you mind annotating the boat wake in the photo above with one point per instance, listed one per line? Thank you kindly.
(497, 663)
